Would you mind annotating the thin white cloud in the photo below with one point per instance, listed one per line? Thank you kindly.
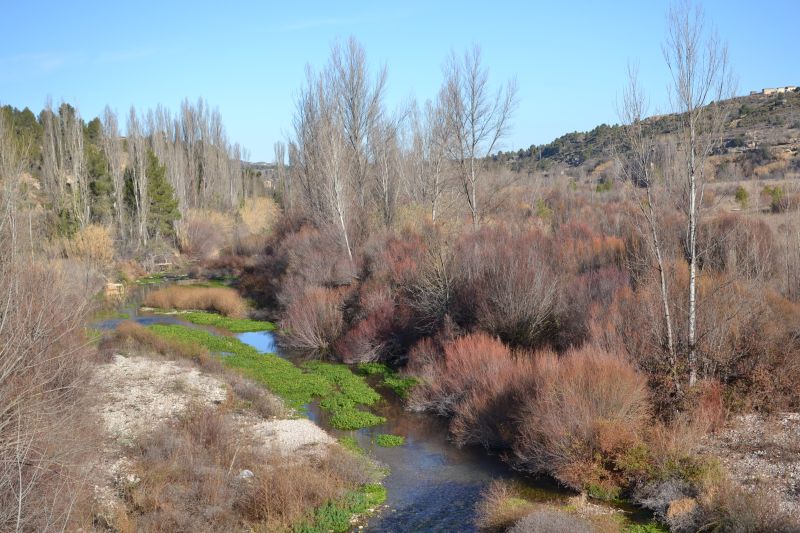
(37, 62)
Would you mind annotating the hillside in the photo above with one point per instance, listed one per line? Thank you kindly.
(761, 140)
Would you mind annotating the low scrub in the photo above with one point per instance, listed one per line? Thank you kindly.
(474, 381)
(500, 507)
(129, 330)
(587, 408)
(549, 520)
(218, 299)
(189, 480)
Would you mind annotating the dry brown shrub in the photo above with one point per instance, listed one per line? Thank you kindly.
(218, 299)
(167, 347)
(259, 215)
(729, 507)
(313, 322)
(48, 440)
(93, 244)
(190, 479)
(500, 507)
(202, 233)
(550, 520)
(577, 401)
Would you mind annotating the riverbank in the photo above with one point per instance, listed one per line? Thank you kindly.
(192, 443)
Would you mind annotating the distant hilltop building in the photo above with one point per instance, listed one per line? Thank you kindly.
(776, 90)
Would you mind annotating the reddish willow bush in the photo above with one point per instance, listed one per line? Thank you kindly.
(584, 404)
(474, 380)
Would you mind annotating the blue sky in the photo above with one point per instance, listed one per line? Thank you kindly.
(248, 58)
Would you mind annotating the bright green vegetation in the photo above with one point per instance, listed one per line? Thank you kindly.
(335, 516)
(341, 392)
(350, 392)
(211, 283)
(652, 527)
(389, 441)
(399, 384)
(234, 325)
(93, 336)
(350, 443)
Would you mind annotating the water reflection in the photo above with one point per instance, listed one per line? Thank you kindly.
(263, 341)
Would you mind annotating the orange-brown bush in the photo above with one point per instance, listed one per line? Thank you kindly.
(219, 299)
(93, 244)
(47, 438)
(585, 403)
(313, 322)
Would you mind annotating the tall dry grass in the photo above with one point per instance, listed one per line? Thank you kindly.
(218, 299)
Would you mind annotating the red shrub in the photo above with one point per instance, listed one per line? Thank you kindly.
(369, 337)
(313, 322)
(474, 381)
(578, 402)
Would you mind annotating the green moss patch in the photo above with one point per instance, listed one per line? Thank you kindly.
(234, 325)
(389, 441)
(401, 385)
(335, 516)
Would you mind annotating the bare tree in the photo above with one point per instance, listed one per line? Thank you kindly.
(281, 174)
(64, 167)
(636, 163)
(137, 165)
(476, 119)
(428, 159)
(360, 103)
(701, 78)
(113, 150)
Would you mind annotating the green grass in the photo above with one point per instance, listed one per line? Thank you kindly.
(652, 527)
(152, 279)
(341, 393)
(234, 325)
(335, 516)
(389, 441)
(350, 443)
(389, 378)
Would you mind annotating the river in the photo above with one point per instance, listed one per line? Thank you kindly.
(432, 485)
